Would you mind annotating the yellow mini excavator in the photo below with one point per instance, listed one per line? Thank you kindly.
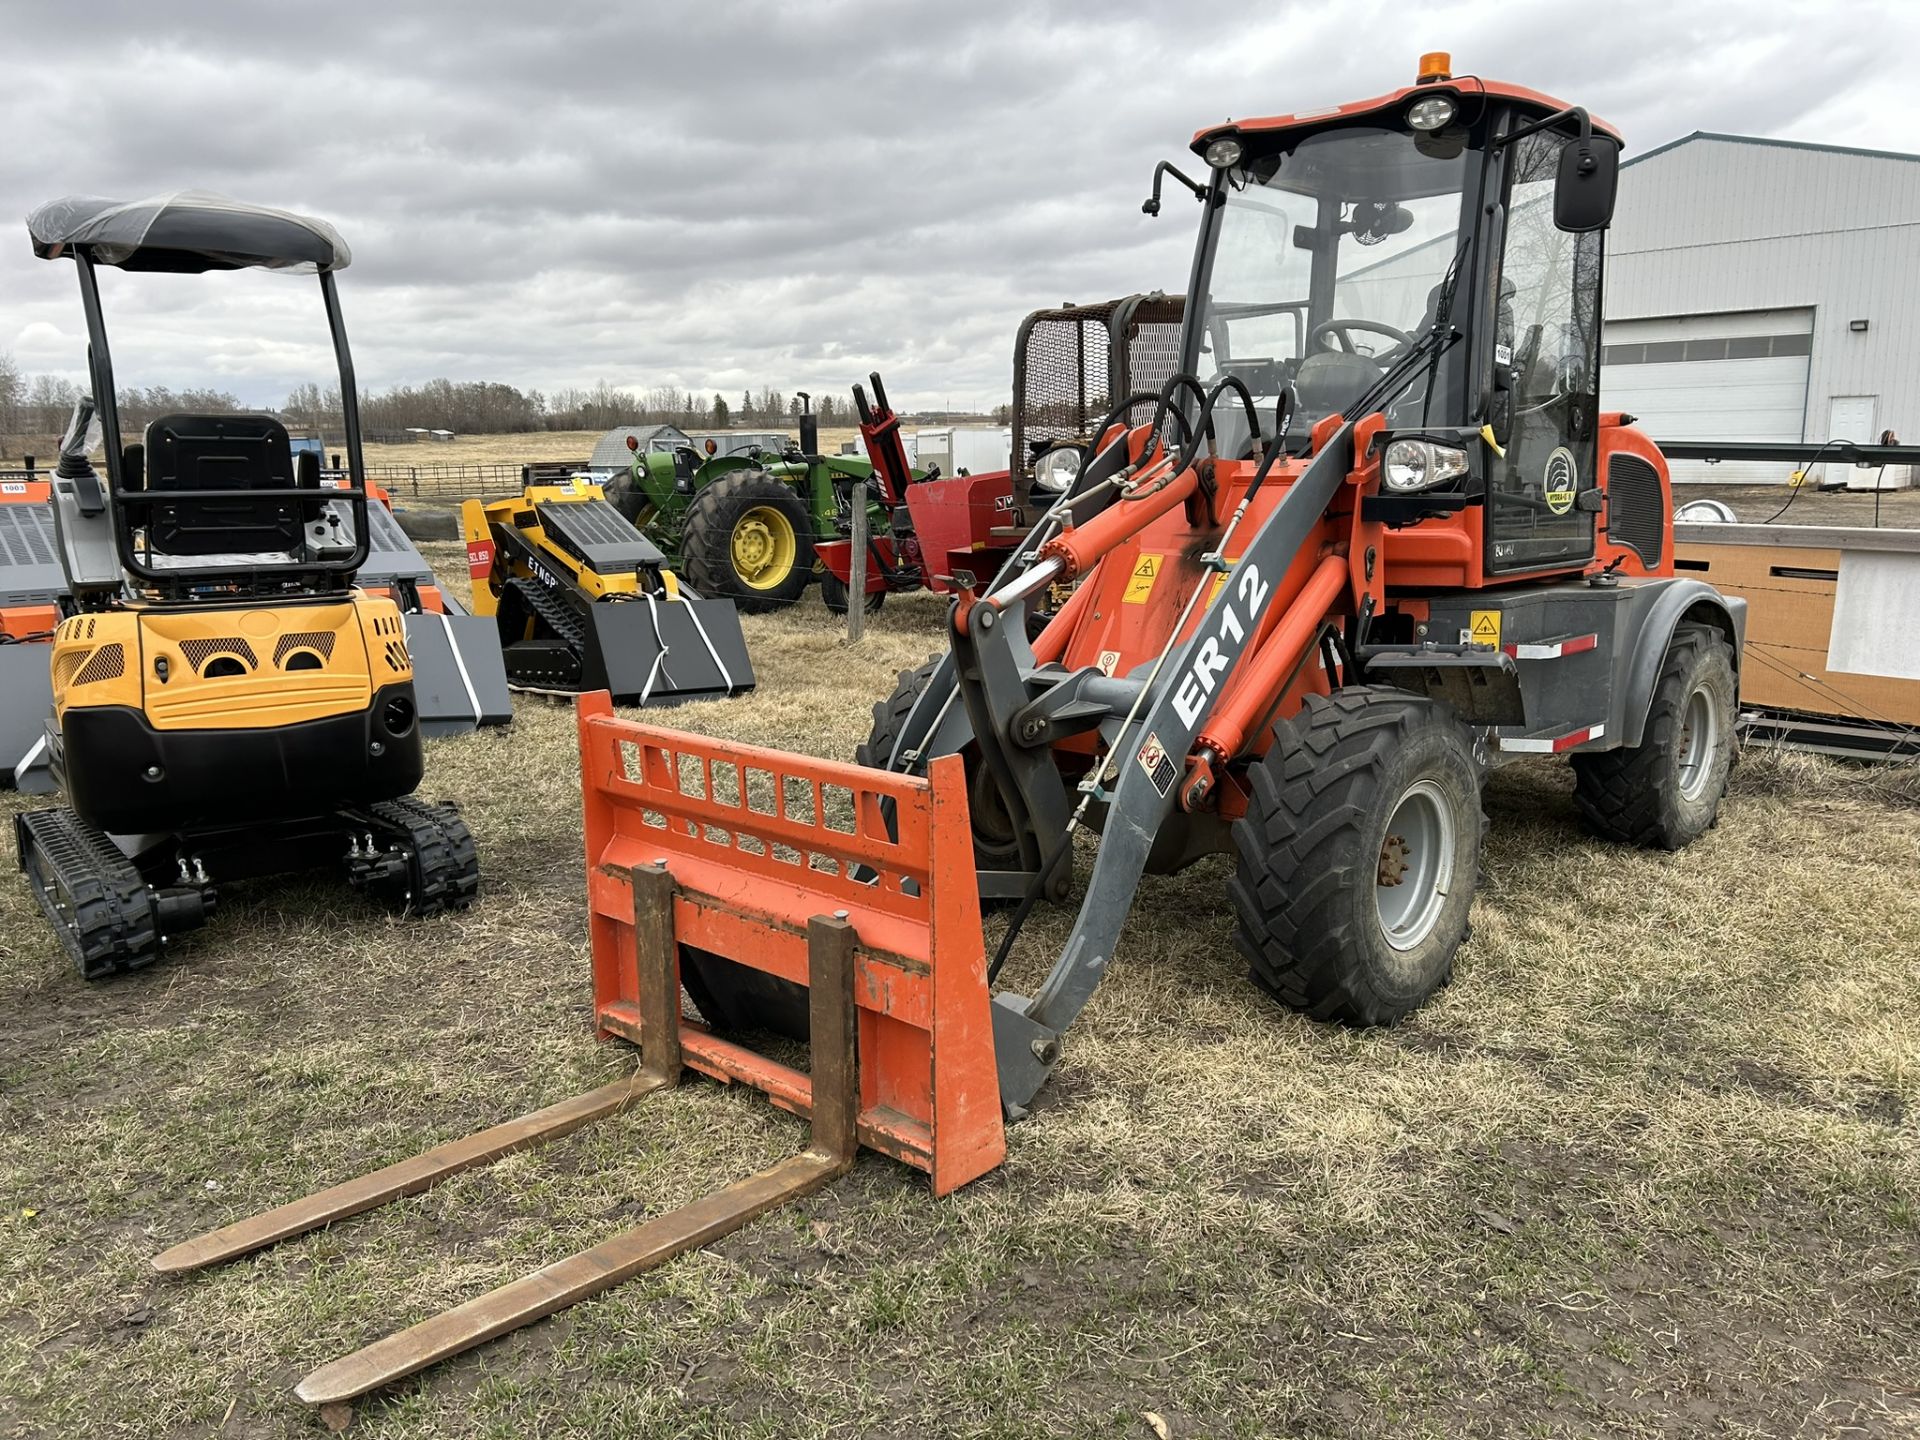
(585, 602)
(227, 704)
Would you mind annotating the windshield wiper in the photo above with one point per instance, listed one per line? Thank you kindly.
(1443, 320)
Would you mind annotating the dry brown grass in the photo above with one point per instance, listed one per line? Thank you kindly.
(1646, 1168)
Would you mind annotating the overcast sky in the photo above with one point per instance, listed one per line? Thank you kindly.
(727, 195)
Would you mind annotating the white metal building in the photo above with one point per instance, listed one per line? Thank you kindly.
(1764, 290)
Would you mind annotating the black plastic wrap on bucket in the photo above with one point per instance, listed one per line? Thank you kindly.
(705, 654)
(642, 654)
(459, 680)
(26, 705)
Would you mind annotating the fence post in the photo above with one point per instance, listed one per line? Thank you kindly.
(413, 475)
(857, 571)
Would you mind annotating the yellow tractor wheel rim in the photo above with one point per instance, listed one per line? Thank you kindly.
(764, 548)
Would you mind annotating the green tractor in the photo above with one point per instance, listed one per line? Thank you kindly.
(742, 527)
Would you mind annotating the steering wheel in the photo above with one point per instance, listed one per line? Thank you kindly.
(1342, 329)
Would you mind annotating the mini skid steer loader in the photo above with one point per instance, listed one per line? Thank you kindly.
(585, 602)
(1372, 537)
(227, 705)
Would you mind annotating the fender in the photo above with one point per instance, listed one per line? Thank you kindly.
(1674, 603)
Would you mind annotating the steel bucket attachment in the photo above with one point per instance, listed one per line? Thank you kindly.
(748, 854)
(642, 651)
(459, 680)
(26, 707)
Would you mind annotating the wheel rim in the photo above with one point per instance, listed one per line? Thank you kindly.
(763, 548)
(1699, 741)
(1416, 866)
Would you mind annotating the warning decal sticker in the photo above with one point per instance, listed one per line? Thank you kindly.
(1154, 760)
(1484, 628)
(1109, 661)
(1146, 570)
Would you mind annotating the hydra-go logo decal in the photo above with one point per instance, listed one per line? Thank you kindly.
(1560, 481)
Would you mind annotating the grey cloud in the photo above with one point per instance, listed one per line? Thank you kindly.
(727, 194)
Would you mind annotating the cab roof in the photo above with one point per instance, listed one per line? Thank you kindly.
(1463, 88)
(186, 232)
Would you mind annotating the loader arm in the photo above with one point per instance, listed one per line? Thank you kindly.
(1150, 753)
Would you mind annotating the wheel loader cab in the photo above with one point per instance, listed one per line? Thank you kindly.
(1425, 222)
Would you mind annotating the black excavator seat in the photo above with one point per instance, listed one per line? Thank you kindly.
(240, 454)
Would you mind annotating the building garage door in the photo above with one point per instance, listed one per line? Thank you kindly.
(1737, 376)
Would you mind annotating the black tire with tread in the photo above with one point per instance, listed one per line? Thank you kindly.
(1309, 851)
(706, 552)
(1632, 794)
(888, 716)
(834, 594)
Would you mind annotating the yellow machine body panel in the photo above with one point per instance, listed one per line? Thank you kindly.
(235, 668)
(521, 514)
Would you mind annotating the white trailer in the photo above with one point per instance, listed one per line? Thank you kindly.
(975, 449)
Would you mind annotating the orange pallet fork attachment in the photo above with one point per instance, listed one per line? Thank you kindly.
(834, 1097)
(759, 840)
(885, 961)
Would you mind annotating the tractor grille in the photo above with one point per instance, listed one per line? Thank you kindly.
(198, 652)
(109, 662)
(318, 641)
(397, 657)
(1634, 516)
(1070, 365)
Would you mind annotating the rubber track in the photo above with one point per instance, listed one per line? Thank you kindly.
(553, 613)
(112, 924)
(1285, 891)
(445, 874)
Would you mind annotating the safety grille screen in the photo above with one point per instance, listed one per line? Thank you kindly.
(25, 535)
(109, 662)
(1061, 379)
(1071, 365)
(1634, 517)
(198, 652)
(318, 641)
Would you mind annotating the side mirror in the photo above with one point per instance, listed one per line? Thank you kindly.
(1589, 178)
(633, 443)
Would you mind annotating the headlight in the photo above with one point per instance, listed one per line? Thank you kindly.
(1224, 152)
(1431, 113)
(1420, 465)
(1054, 472)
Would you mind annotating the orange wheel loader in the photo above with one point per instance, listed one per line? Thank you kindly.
(1373, 537)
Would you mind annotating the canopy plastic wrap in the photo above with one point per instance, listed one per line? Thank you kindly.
(186, 231)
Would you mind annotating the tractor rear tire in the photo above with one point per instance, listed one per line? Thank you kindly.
(1665, 792)
(834, 592)
(749, 539)
(1364, 792)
